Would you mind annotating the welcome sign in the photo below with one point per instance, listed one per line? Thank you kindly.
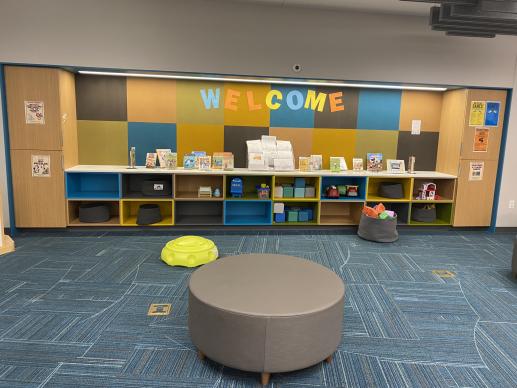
(294, 100)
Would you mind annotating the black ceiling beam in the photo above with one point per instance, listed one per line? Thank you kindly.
(441, 24)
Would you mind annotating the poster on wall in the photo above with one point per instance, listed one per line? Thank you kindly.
(34, 112)
(492, 113)
(41, 166)
(477, 113)
(476, 171)
(481, 139)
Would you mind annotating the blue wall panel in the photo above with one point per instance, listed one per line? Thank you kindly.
(285, 116)
(379, 109)
(147, 137)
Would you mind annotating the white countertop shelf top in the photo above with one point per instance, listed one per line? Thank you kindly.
(245, 171)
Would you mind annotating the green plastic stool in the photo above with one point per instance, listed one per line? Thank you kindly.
(189, 251)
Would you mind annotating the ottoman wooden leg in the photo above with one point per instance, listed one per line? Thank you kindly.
(265, 378)
(329, 359)
(201, 355)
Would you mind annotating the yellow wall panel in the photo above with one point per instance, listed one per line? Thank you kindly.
(102, 142)
(151, 100)
(334, 142)
(371, 141)
(421, 105)
(190, 108)
(249, 108)
(190, 137)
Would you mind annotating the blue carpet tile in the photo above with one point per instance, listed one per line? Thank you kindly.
(73, 311)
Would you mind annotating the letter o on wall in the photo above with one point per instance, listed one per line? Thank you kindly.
(294, 100)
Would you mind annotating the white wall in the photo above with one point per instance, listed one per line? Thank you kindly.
(233, 38)
(3, 177)
(505, 215)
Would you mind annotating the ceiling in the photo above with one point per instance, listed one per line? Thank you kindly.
(375, 6)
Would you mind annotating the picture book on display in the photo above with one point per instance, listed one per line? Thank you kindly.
(374, 162)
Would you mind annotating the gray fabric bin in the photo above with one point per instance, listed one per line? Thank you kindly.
(423, 214)
(375, 229)
(392, 190)
(94, 212)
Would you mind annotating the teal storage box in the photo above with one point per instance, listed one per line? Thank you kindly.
(303, 216)
(299, 192)
(299, 182)
(279, 217)
(292, 216)
(288, 192)
(310, 214)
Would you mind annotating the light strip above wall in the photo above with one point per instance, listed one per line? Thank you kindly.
(275, 81)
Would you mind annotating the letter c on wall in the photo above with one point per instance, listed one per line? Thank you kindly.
(269, 99)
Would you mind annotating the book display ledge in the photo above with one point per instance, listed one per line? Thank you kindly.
(214, 197)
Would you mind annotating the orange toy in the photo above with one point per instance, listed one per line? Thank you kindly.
(373, 211)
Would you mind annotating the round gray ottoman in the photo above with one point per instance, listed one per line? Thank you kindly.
(265, 313)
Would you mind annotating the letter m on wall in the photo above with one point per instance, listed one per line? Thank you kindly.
(315, 102)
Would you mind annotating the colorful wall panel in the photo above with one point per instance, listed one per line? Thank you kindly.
(115, 113)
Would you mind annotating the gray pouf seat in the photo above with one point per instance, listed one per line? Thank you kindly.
(514, 258)
(265, 313)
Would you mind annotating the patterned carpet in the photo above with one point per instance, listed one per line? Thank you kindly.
(73, 311)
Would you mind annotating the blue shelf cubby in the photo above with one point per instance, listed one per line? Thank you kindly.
(344, 180)
(248, 212)
(92, 185)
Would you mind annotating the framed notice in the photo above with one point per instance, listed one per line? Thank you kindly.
(477, 113)
(34, 112)
(481, 139)
(41, 166)
(476, 171)
(492, 113)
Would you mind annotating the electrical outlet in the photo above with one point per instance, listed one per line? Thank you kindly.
(511, 204)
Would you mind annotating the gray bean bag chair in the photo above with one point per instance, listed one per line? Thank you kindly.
(375, 229)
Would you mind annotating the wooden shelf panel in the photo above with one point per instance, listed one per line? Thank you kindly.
(129, 210)
(73, 213)
(113, 221)
(340, 213)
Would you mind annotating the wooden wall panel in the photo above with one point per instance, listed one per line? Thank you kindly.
(344, 119)
(38, 201)
(421, 105)
(33, 84)
(452, 124)
(68, 118)
(494, 139)
(474, 198)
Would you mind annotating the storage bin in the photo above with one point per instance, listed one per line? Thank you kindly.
(288, 192)
(392, 190)
(279, 217)
(299, 192)
(292, 216)
(310, 214)
(375, 229)
(94, 212)
(310, 192)
(279, 192)
(299, 182)
(148, 213)
(423, 213)
(157, 187)
(303, 216)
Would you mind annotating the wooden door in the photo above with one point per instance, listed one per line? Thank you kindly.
(39, 201)
(474, 198)
(25, 84)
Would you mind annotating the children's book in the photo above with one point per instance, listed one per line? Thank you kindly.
(217, 162)
(316, 162)
(357, 164)
(189, 162)
(374, 162)
(304, 163)
(204, 162)
(335, 164)
(150, 160)
(162, 153)
(171, 160)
